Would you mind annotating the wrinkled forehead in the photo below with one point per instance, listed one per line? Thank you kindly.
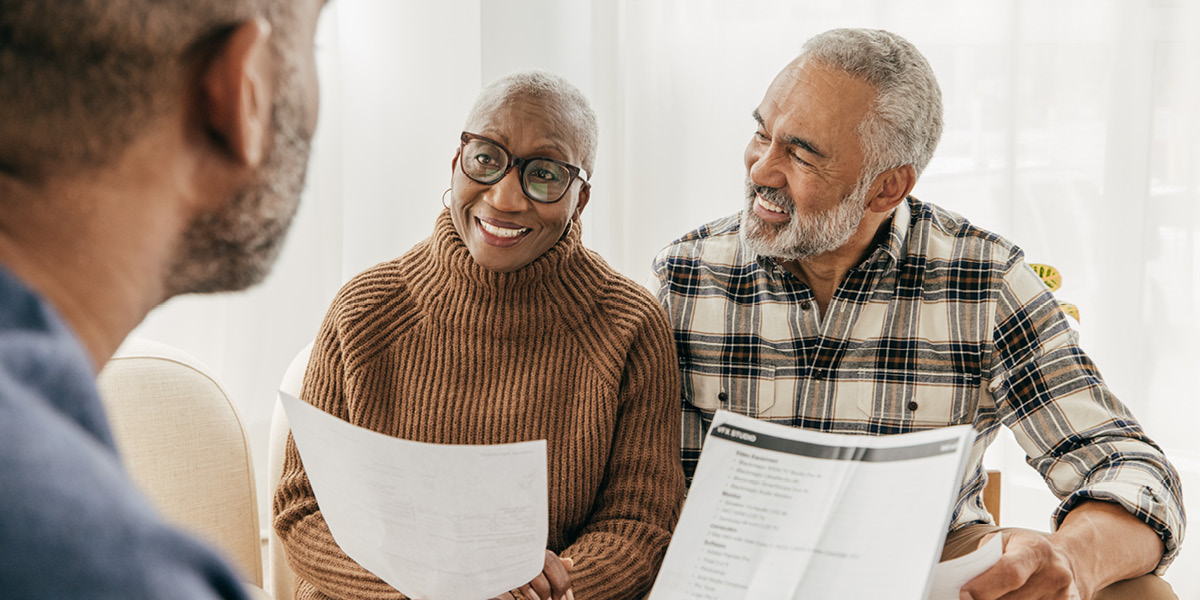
(809, 93)
(530, 125)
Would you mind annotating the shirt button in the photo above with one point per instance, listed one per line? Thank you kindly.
(818, 374)
(912, 406)
(722, 396)
(805, 305)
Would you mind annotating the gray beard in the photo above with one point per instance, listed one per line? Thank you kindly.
(801, 237)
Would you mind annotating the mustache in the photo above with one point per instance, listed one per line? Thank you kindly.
(775, 196)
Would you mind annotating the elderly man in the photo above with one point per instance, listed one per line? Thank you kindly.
(838, 302)
(148, 148)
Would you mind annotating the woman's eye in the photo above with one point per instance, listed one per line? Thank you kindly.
(484, 159)
(544, 175)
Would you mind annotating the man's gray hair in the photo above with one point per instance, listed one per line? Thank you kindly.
(574, 112)
(905, 123)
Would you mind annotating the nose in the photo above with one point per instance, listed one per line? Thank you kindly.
(506, 195)
(762, 165)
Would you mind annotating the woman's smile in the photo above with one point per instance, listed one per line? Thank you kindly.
(501, 233)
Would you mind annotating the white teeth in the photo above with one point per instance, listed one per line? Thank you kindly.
(503, 232)
(770, 206)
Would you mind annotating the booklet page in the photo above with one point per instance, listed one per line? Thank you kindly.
(437, 522)
(951, 575)
(776, 512)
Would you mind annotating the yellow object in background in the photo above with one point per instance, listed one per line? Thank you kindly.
(1050, 276)
(1070, 309)
(1053, 280)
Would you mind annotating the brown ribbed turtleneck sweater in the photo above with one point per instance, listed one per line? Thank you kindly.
(434, 348)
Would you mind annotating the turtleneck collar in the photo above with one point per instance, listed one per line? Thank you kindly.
(460, 293)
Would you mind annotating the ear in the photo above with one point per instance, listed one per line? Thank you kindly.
(891, 188)
(584, 195)
(235, 87)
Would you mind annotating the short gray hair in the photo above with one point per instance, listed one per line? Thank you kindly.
(575, 110)
(904, 124)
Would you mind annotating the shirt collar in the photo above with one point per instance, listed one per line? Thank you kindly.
(898, 236)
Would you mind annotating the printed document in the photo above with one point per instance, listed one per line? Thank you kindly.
(951, 575)
(781, 513)
(435, 521)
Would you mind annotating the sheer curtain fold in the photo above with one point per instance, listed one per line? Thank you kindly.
(1071, 129)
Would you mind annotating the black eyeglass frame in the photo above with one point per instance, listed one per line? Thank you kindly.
(521, 163)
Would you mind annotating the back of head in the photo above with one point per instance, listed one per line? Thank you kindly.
(905, 123)
(573, 108)
(79, 79)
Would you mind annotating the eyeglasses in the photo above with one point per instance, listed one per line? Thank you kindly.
(544, 180)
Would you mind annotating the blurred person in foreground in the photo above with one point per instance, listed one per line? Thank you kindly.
(147, 149)
(849, 306)
(501, 327)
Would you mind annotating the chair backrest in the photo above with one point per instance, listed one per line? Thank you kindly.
(991, 495)
(282, 582)
(184, 445)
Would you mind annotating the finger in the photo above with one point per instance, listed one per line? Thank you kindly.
(1010, 573)
(540, 586)
(528, 592)
(555, 572)
(568, 563)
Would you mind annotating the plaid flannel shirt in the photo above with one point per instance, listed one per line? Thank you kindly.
(943, 324)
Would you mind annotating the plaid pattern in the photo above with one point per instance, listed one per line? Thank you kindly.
(943, 324)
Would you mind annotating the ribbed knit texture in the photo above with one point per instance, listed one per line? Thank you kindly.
(434, 348)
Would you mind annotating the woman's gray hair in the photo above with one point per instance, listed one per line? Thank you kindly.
(574, 111)
(905, 122)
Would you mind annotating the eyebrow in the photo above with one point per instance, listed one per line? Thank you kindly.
(548, 148)
(792, 140)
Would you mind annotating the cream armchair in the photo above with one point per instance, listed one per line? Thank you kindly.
(184, 445)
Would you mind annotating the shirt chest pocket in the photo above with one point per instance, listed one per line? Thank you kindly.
(916, 399)
(751, 393)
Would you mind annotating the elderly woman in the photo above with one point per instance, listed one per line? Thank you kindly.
(501, 327)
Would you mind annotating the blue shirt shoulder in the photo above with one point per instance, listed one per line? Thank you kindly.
(73, 524)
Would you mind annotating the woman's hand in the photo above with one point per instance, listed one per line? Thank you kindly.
(552, 583)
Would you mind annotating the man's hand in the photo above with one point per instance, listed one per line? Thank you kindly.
(1097, 545)
(552, 583)
(1032, 566)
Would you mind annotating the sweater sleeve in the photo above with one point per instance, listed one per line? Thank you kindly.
(311, 551)
(618, 551)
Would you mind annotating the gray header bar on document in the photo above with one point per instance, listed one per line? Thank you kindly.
(853, 453)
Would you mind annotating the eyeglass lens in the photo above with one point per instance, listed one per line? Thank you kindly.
(543, 180)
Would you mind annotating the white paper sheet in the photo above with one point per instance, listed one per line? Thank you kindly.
(780, 513)
(949, 576)
(437, 522)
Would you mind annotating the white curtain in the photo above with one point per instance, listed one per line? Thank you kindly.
(1071, 129)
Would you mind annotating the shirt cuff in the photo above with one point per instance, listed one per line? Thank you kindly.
(1143, 502)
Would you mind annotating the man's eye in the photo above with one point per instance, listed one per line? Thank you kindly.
(544, 175)
(484, 159)
(797, 158)
(761, 136)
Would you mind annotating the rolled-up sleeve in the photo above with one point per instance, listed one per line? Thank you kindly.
(1082, 439)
